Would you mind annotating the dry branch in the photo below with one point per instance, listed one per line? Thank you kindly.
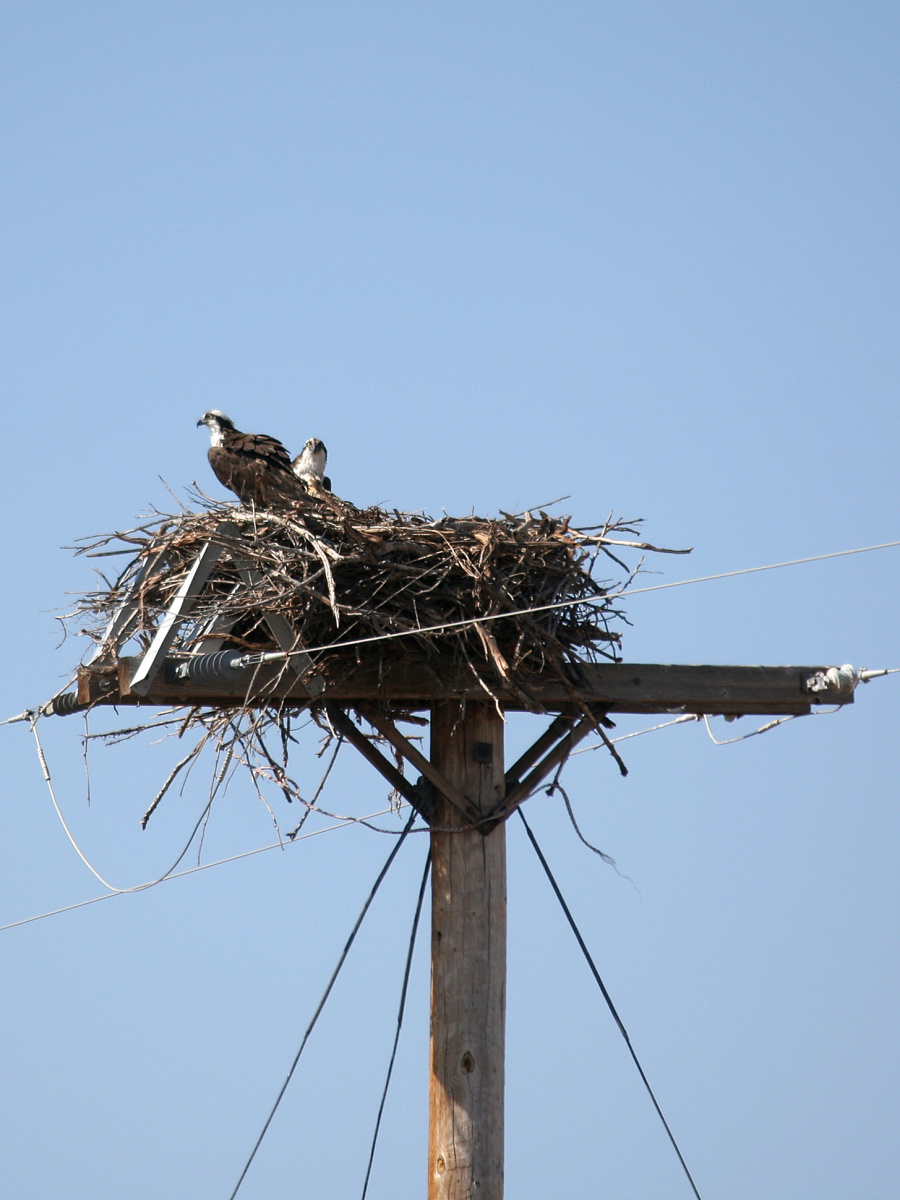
(339, 574)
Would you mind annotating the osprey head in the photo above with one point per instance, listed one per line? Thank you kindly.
(214, 419)
(217, 424)
(310, 463)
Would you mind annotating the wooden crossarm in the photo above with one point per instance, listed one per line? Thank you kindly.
(625, 687)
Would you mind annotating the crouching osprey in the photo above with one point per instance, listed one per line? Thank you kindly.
(309, 466)
(254, 466)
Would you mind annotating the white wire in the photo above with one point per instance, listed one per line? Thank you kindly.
(27, 715)
(32, 717)
(686, 717)
(193, 870)
(623, 737)
(139, 887)
(818, 712)
(276, 655)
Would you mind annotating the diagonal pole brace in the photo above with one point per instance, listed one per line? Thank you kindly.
(403, 746)
(560, 752)
(557, 729)
(417, 796)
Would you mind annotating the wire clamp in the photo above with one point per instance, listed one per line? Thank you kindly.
(835, 679)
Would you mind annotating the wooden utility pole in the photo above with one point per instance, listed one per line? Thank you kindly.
(462, 782)
(468, 960)
(463, 791)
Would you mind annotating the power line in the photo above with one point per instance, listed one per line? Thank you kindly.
(817, 712)
(686, 717)
(794, 562)
(400, 1012)
(193, 870)
(607, 998)
(623, 737)
(343, 822)
(141, 887)
(280, 655)
(331, 982)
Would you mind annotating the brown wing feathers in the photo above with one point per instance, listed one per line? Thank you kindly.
(256, 467)
(260, 445)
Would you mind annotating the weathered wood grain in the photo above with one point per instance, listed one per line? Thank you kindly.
(624, 687)
(468, 962)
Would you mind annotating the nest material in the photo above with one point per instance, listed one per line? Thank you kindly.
(344, 575)
(344, 578)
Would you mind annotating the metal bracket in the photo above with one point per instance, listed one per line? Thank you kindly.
(187, 596)
(123, 617)
(834, 679)
(185, 599)
(283, 632)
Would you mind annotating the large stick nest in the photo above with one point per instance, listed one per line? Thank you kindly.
(342, 575)
(469, 592)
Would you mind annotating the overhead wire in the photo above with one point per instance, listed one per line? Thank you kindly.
(34, 717)
(742, 737)
(221, 862)
(279, 655)
(687, 717)
(112, 887)
(331, 982)
(365, 820)
(31, 716)
(400, 1012)
(606, 996)
(623, 737)
(343, 822)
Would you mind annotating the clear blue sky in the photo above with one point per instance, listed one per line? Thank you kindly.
(642, 255)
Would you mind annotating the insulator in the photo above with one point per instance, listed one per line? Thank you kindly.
(834, 679)
(61, 706)
(210, 669)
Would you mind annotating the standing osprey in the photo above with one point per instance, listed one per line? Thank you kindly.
(254, 466)
(309, 466)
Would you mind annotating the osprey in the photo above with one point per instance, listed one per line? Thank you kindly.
(309, 466)
(254, 466)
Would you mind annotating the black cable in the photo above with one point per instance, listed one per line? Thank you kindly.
(337, 970)
(607, 998)
(387, 1082)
